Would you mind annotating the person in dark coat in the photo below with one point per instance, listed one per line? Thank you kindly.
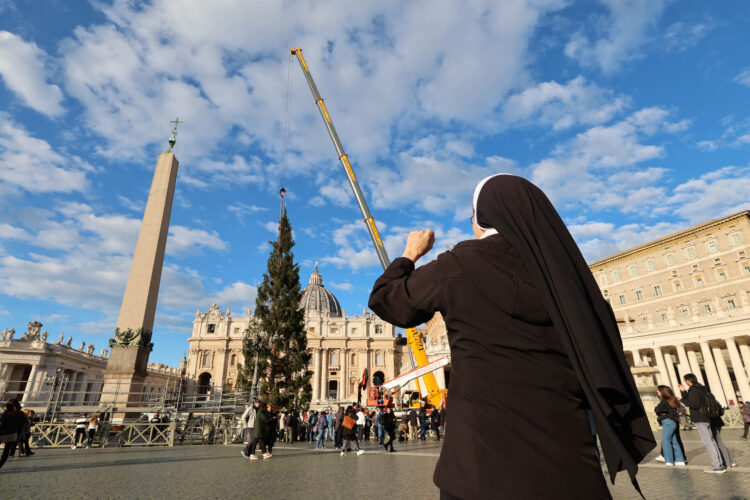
(349, 435)
(337, 425)
(526, 323)
(260, 431)
(388, 421)
(12, 421)
(708, 428)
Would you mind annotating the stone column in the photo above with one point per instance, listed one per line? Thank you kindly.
(684, 364)
(324, 375)
(662, 377)
(674, 381)
(745, 353)
(726, 380)
(316, 375)
(714, 383)
(30, 384)
(344, 362)
(636, 357)
(739, 370)
(695, 367)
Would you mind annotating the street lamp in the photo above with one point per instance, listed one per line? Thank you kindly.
(258, 345)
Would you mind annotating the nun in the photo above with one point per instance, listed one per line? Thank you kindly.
(534, 348)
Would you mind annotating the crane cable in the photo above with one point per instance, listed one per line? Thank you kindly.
(285, 147)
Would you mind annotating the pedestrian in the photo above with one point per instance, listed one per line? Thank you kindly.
(155, 421)
(368, 424)
(442, 419)
(349, 431)
(312, 420)
(361, 421)
(321, 427)
(12, 421)
(81, 423)
(272, 424)
(696, 398)
(422, 422)
(435, 423)
(24, 445)
(248, 422)
(93, 424)
(337, 425)
(745, 412)
(260, 431)
(388, 421)
(521, 307)
(669, 419)
(380, 435)
(329, 427)
(413, 425)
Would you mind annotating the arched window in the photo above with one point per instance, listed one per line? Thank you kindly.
(233, 360)
(379, 359)
(207, 360)
(334, 359)
(354, 359)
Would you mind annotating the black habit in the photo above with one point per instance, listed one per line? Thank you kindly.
(533, 347)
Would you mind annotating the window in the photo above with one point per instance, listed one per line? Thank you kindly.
(207, 360)
(633, 270)
(621, 299)
(735, 239)
(236, 330)
(657, 290)
(312, 329)
(684, 312)
(379, 359)
(211, 328)
(722, 275)
(378, 329)
(706, 308)
(603, 280)
(650, 265)
(698, 281)
(644, 320)
(690, 253)
(639, 295)
(669, 259)
(731, 304)
(233, 360)
(354, 359)
(663, 317)
(677, 286)
(746, 269)
(712, 246)
(354, 331)
(334, 330)
(616, 275)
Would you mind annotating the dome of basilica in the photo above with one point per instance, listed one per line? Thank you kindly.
(315, 298)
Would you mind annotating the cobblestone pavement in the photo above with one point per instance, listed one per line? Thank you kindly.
(298, 471)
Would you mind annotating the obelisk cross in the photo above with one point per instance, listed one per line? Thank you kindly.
(173, 138)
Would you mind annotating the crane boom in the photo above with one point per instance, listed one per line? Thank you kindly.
(435, 394)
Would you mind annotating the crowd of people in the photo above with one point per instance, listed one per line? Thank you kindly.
(15, 430)
(705, 414)
(264, 425)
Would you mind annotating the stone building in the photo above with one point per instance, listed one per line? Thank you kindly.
(30, 362)
(342, 347)
(682, 306)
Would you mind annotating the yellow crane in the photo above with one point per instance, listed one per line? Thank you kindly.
(434, 394)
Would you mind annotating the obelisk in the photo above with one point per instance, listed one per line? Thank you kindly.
(131, 345)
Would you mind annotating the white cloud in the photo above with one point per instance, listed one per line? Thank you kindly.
(243, 210)
(22, 68)
(347, 287)
(184, 240)
(31, 164)
(627, 28)
(681, 36)
(563, 106)
(136, 206)
(612, 239)
(712, 195)
(743, 78)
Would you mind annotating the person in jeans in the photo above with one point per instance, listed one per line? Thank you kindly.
(248, 422)
(745, 412)
(321, 427)
(668, 418)
(361, 421)
(93, 423)
(349, 435)
(695, 397)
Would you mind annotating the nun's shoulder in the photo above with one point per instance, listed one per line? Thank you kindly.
(494, 243)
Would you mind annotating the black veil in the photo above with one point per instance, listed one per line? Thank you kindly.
(525, 217)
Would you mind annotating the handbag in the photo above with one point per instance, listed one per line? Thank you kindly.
(349, 422)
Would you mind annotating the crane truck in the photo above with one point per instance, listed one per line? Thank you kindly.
(434, 394)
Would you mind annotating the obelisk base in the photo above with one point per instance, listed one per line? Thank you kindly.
(123, 385)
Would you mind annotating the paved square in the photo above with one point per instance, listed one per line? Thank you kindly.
(298, 471)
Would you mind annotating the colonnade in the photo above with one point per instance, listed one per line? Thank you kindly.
(721, 364)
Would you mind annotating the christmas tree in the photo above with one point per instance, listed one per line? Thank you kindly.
(283, 377)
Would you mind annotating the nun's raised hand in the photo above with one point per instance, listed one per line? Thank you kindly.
(419, 243)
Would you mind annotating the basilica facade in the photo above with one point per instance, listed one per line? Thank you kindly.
(342, 347)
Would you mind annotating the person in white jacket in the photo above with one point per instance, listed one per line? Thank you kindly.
(361, 421)
(248, 421)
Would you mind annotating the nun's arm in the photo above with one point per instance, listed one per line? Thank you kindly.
(408, 297)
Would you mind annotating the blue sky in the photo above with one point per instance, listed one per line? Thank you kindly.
(632, 115)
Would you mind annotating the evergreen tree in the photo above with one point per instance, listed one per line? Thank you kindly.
(283, 379)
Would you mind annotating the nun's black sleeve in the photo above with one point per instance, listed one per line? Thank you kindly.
(407, 297)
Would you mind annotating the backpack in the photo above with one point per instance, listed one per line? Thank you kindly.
(710, 407)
